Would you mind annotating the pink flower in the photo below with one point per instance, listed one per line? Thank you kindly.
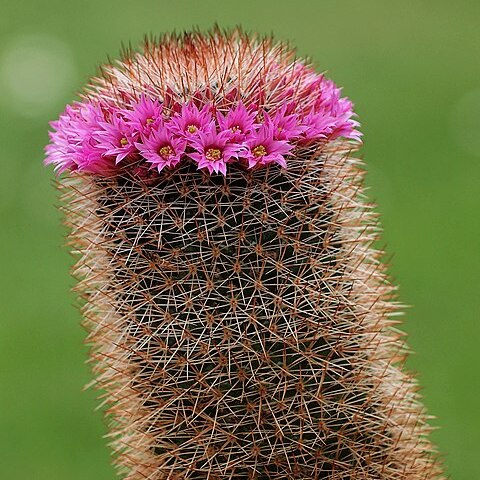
(317, 126)
(73, 146)
(60, 152)
(239, 122)
(331, 115)
(116, 138)
(161, 148)
(344, 124)
(92, 160)
(190, 121)
(144, 116)
(286, 126)
(264, 149)
(214, 151)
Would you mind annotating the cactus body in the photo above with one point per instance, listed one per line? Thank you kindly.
(242, 325)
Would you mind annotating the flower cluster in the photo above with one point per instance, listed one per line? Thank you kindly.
(101, 138)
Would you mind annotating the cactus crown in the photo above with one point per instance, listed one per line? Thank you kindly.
(213, 100)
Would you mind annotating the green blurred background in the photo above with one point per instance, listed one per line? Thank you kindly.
(413, 70)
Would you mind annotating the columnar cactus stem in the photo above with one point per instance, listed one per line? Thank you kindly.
(241, 322)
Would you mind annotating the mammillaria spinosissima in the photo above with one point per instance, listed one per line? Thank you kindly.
(241, 323)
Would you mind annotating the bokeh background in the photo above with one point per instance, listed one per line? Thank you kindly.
(413, 70)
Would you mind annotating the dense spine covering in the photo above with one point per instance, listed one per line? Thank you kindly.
(242, 325)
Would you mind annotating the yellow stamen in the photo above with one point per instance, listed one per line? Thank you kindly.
(123, 141)
(236, 128)
(149, 121)
(213, 154)
(259, 151)
(166, 151)
(192, 128)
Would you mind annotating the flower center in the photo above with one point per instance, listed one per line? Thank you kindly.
(213, 154)
(166, 151)
(149, 121)
(259, 151)
(192, 128)
(123, 141)
(236, 128)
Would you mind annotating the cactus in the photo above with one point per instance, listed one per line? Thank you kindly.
(241, 322)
